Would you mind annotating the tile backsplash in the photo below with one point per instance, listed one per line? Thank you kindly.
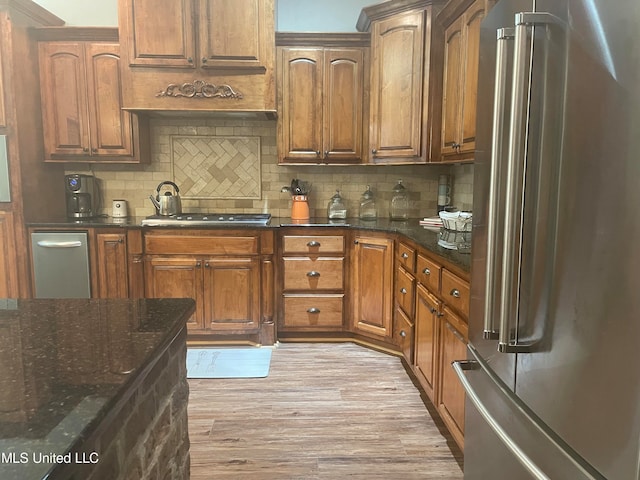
(232, 180)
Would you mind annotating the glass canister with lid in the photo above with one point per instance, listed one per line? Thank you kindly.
(399, 204)
(336, 208)
(368, 209)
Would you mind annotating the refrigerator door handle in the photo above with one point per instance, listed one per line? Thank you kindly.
(466, 365)
(516, 168)
(497, 166)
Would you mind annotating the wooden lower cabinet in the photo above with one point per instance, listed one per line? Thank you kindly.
(403, 332)
(311, 312)
(426, 333)
(372, 287)
(226, 290)
(451, 396)
(177, 277)
(8, 267)
(111, 265)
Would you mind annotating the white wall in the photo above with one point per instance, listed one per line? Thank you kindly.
(292, 15)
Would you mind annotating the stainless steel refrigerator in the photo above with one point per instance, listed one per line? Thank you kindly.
(553, 377)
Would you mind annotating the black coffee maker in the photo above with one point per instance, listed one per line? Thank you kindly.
(81, 192)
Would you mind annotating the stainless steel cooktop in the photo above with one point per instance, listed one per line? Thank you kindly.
(207, 219)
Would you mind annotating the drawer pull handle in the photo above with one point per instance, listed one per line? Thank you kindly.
(403, 291)
(455, 293)
(433, 310)
(426, 271)
(313, 243)
(313, 273)
(405, 255)
(403, 333)
(313, 310)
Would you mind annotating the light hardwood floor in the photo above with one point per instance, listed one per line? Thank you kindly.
(326, 411)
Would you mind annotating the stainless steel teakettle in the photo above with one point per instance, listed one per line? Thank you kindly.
(168, 203)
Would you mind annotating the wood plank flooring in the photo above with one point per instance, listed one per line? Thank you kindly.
(326, 411)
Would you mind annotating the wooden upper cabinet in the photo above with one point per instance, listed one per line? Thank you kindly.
(81, 91)
(397, 51)
(320, 104)
(460, 81)
(233, 33)
(159, 35)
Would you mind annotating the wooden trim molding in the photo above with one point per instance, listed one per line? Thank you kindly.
(387, 9)
(304, 39)
(80, 34)
(199, 89)
(33, 11)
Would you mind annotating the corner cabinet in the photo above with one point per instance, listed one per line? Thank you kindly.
(198, 54)
(404, 77)
(372, 286)
(81, 92)
(320, 98)
(461, 21)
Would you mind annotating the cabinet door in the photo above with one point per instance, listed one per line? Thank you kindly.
(301, 112)
(451, 106)
(451, 397)
(372, 285)
(426, 324)
(176, 277)
(234, 33)
(469, 88)
(3, 115)
(158, 33)
(8, 267)
(396, 86)
(64, 99)
(232, 293)
(343, 98)
(111, 268)
(111, 129)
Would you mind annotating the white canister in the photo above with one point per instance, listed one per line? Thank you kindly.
(119, 209)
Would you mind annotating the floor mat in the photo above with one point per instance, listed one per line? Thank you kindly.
(250, 362)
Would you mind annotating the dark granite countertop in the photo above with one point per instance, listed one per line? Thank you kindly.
(425, 237)
(65, 363)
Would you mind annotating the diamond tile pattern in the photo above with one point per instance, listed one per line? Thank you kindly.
(216, 167)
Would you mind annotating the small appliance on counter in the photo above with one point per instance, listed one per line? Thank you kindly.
(119, 209)
(81, 195)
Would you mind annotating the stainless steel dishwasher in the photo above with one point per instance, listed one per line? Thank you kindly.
(60, 264)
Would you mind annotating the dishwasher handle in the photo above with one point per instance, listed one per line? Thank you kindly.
(54, 244)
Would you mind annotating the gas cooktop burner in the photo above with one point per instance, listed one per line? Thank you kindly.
(207, 219)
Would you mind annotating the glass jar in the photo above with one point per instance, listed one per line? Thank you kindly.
(336, 207)
(368, 210)
(399, 204)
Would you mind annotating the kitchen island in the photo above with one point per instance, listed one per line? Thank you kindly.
(93, 388)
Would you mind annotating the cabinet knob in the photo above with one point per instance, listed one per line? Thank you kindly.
(374, 151)
(455, 293)
(405, 255)
(433, 310)
(326, 153)
(85, 149)
(455, 146)
(318, 153)
(313, 243)
(206, 265)
(190, 60)
(355, 242)
(403, 291)
(94, 150)
(313, 310)
(426, 271)
(313, 273)
(204, 59)
(403, 333)
(198, 264)
(120, 240)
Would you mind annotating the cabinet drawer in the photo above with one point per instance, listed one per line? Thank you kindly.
(310, 311)
(407, 257)
(200, 245)
(313, 244)
(455, 292)
(428, 273)
(405, 285)
(403, 335)
(321, 273)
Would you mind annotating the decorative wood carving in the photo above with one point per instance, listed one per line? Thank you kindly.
(199, 89)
